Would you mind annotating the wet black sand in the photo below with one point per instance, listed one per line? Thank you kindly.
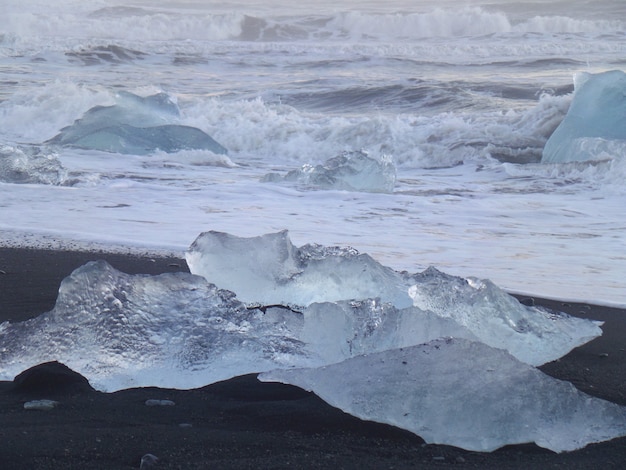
(243, 423)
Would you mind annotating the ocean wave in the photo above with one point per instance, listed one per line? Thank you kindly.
(156, 24)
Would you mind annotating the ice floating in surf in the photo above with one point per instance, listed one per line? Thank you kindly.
(593, 128)
(135, 125)
(462, 393)
(29, 165)
(270, 270)
(350, 171)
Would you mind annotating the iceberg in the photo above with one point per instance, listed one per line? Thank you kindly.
(350, 171)
(269, 270)
(135, 125)
(462, 393)
(593, 128)
(533, 335)
(178, 330)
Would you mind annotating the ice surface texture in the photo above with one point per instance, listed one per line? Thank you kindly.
(171, 330)
(351, 171)
(270, 270)
(137, 126)
(177, 330)
(593, 128)
(30, 165)
(462, 393)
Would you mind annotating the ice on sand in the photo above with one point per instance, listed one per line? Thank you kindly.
(177, 330)
(270, 270)
(172, 330)
(462, 393)
(360, 345)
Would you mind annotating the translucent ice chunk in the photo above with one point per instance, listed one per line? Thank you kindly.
(30, 165)
(135, 125)
(351, 171)
(270, 270)
(594, 125)
(462, 393)
(178, 330)
(533, 335)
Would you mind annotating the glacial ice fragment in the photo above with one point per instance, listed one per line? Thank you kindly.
(462, 393)
(171, 330)
(135, 125)
(593, 128)
(30, 165)
(269, 270)
(41, 405)
(531, 334)
(177, 330)
(350, 171)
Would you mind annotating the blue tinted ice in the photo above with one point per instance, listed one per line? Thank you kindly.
(135, 125)
(593, 128)
(270, 270)
(350, 171)
(30, 165)
(177, 330)
(462, 393)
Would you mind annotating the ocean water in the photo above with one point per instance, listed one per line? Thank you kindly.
(460, 95)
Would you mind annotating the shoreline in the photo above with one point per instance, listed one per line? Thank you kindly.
(243, 423)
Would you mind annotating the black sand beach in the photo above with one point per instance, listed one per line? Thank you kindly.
(243, 423)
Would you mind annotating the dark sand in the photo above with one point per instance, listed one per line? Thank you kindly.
(243, 423)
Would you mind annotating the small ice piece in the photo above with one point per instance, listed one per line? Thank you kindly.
(148, 461)
(41, 405)
(170, 330)
(135, 125)
(462, 393)
(593, 128)
(30, 165)
(155, 402)
(350, 171)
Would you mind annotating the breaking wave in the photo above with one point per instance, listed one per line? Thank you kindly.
(146, 25)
